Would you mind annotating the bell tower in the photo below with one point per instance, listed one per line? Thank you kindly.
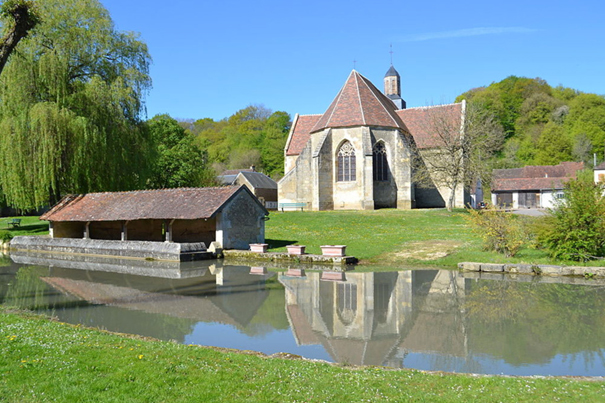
(392, 87)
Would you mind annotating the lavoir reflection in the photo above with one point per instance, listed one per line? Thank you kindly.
(426, 319)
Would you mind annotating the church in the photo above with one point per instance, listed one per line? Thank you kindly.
(361, 153)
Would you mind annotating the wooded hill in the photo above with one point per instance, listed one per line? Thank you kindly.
(543, 125)
(251, 136)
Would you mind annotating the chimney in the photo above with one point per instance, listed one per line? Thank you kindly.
(253, 168)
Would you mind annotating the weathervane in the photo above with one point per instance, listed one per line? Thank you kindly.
(354, 64)
(391, 52)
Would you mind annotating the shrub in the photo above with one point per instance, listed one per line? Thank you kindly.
(500, 231)
(575, 228)
(5, 236)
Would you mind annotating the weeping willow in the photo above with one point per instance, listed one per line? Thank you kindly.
(71, 99)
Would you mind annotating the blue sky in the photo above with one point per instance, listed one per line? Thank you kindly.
(212, 58)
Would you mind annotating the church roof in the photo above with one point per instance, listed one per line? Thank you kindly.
(359, 103)
(301, 131)
(392, 72)
(422, 122)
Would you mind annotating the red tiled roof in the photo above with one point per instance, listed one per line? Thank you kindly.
(161, 204)
(360, 103)
(425, 123)
(535, 177)
(301, 131)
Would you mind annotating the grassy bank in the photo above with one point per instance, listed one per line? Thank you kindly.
(30, 225)
(43, 360)
(388, 237)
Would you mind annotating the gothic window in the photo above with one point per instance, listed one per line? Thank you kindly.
(346, 163)
(380, 163)
(347, 302)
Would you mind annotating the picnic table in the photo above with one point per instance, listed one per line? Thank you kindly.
(13, 222)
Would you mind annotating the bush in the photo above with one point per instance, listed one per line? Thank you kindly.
(501, 232)
(5, 236)
(575, 228)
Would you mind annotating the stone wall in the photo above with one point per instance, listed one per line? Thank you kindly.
(240, 223)
(136, 249)
(425, 194)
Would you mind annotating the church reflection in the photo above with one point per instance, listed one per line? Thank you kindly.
(376, 318)
(426, 319)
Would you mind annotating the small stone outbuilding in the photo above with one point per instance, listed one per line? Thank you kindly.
(231, 216)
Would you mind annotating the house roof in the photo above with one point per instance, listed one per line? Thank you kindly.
(259, 180)
(161, 204)
(226, 180)
(236, 171)
(535, 177)
(600, 166)
(359, 103)
(425, 123)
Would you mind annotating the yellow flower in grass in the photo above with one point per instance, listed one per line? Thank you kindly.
(140, 356)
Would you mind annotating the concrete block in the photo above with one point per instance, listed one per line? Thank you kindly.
(550, 270)
(333, 276)
(469, 266)
(492, 267)
(518, 268)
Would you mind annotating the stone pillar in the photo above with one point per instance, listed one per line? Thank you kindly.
(87, 230)
(125, 231)
(50, 229)
(168, 227)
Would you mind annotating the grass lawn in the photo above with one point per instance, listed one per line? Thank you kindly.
(390, 237)
(43, 361)
(29, 226)
(384, 239)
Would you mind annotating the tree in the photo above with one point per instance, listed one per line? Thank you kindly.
(553, 146)
(275, 134)
(19, 18)
(178, 162)
(575, 228)
(463, 150)
(70, 107)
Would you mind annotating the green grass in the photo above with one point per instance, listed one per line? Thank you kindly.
(30, 225)
(383, 239)
(43, 361)
(390, 237)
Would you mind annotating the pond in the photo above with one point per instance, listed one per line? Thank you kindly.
(424, 319)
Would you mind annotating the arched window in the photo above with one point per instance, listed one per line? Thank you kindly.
(346, 163)
(347, 302)
(380, 163)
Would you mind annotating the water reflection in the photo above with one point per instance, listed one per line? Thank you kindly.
(434, 320)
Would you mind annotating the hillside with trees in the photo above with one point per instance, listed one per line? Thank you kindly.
(543, 125)
(251, 136)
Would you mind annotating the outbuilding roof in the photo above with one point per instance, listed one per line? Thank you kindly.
(535, 177)
(161, 204)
